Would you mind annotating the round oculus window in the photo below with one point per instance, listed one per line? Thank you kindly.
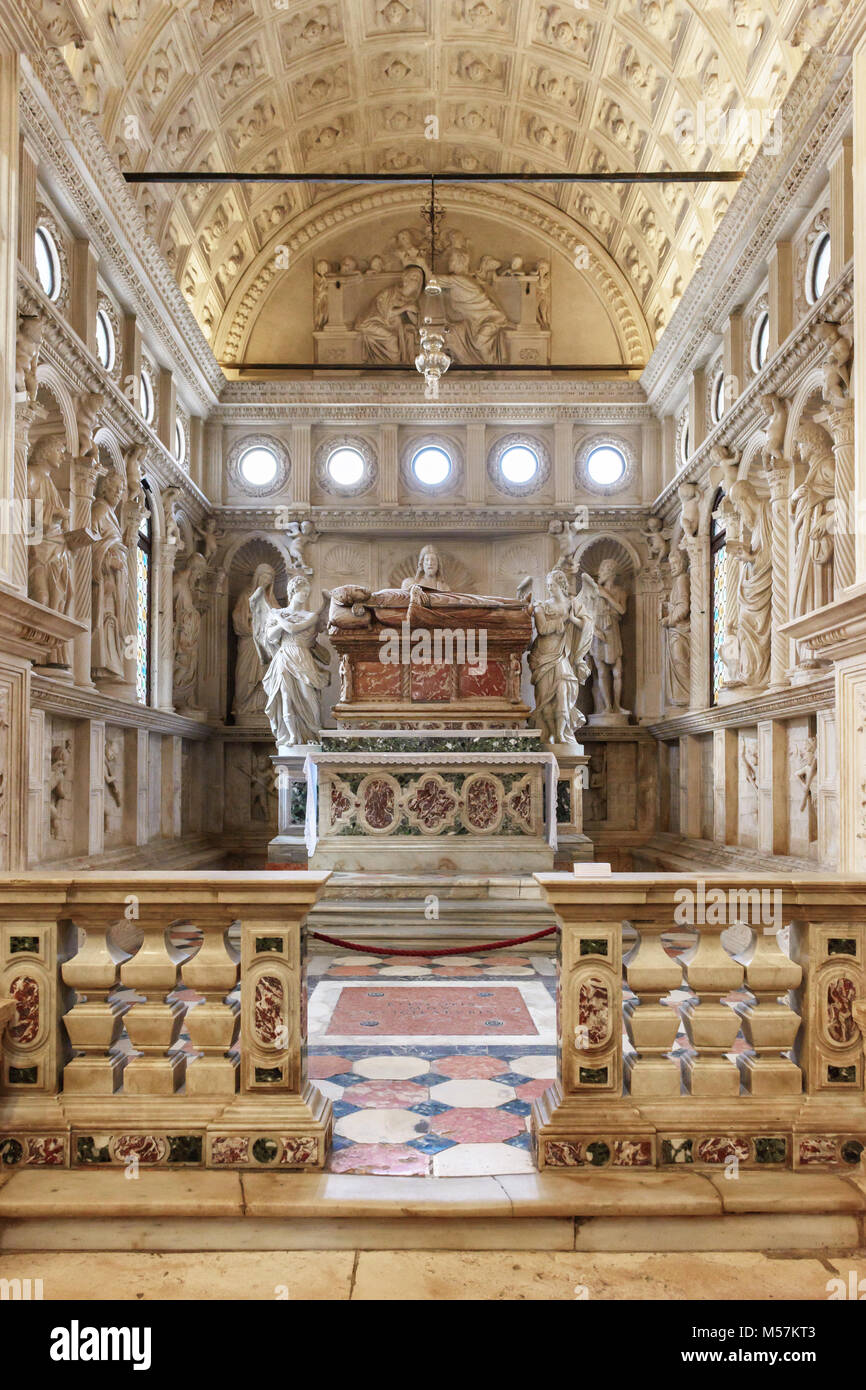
(431, 466)
(605, 465)
(346, 467)
(519, 464)
(258, 465)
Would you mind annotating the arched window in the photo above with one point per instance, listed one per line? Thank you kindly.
(718, 600)
(144, 601)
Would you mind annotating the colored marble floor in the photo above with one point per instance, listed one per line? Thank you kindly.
(432, 1063)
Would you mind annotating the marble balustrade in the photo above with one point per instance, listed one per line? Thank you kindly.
(702, 1021)
(106, 971)
(707, 1021)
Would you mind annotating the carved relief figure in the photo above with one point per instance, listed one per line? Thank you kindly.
(606, 600)
(249, 697)
(773, 451)
(297, 665)
(210, 535)
(187, 628)
(59, 790)
(27, 345)
(429, 573)
(388, 328)
(676, 620)
(110, 582)
(805, 758)
(302, 533)
(836, 389)
(755, 585)
(812, 506)
(87, 408)
(262, 787)
(111, 774)
(557, 659)
(476, 325)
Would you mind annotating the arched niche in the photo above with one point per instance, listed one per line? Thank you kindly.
(240, 563)
(589, 557)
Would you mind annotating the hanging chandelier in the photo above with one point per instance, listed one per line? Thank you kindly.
(433, 360)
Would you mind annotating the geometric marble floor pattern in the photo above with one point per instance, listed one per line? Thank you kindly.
(459, 1047)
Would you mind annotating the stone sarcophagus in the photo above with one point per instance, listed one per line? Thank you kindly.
(414, 656)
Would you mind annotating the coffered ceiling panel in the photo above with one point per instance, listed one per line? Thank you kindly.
(355, 86)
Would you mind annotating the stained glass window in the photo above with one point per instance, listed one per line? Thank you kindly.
(143, 607)
(718, 607)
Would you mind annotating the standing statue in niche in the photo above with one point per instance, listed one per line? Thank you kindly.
(754, 587)
(50, 575)
(676, 621)
(607, 601)
(297, 665)
(812, 506)
(249, 697)
(557, 660)
(187, 629)
(110, 582)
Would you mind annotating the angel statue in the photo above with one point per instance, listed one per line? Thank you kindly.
(296, 665)
(557, 659)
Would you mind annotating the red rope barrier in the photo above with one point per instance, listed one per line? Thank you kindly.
(449, 951)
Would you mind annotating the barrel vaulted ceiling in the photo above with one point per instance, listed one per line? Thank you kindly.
(349, 86)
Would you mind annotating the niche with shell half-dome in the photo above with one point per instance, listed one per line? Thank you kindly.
(257, 561)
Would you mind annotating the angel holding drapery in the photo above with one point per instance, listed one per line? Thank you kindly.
(296, 665)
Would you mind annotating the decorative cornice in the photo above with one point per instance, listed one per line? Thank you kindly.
(62, 347)
(458, 517)
(784, 703)
(28, 629)
(817, 104)
(103, 201)
(58, 698)
(783, 372)
(836, 631)
(241, 397)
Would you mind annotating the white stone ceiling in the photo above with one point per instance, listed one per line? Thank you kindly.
(349, 86)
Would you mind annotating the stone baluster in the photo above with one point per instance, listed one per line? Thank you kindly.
(212, 1024)
(153, 1025)
(711, 1026)
(94, 1022)
(651, 1025)
(770, 1025)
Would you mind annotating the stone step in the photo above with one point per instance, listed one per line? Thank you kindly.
(158, 1210)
